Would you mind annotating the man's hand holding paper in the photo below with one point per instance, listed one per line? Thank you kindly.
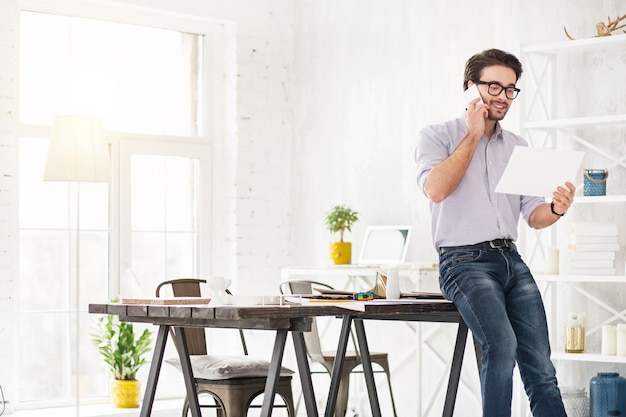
(540, 172)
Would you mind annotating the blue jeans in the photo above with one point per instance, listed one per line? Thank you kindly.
(498, 298)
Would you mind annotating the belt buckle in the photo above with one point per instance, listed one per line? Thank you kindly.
(494, 244)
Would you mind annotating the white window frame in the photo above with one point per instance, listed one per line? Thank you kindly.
(202, 152)
(211, 145)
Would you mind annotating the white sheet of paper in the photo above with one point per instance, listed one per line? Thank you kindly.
(538, 172)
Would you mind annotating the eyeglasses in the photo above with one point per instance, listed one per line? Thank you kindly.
(495, 88)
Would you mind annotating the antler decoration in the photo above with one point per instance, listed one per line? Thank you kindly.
(604, 29)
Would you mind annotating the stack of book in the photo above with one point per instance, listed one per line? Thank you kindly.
(592, 248)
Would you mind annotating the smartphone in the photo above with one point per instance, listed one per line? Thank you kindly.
(471, 93)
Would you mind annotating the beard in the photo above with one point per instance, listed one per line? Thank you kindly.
(497, 115)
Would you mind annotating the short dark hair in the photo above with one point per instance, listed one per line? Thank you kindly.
(487, 58)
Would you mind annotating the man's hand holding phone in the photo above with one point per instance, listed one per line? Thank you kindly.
(471, 94)
(476, 110)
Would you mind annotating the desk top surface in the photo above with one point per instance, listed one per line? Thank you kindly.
(356, 269)
(273, 317)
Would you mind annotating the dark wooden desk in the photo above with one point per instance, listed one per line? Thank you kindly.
(283, 320)
(427, 311)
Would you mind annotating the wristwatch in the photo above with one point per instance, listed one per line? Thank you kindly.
(554, 212)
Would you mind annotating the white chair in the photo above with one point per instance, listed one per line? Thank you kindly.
(327, 358)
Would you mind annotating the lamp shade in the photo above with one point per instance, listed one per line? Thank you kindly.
(78, 151)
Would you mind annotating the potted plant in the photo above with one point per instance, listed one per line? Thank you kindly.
(338, 220)
(124, 353)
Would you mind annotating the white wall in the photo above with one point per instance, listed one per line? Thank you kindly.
(8, 191)
(369, 76)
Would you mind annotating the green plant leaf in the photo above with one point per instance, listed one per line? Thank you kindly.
(340, 219)
(120, 349)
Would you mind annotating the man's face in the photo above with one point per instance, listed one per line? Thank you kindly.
(499, 104)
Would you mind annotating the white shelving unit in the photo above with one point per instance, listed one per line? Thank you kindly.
(546, 123)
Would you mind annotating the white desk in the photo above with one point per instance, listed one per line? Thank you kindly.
(423, 277)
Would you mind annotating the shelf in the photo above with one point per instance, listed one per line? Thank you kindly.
(575, 122)
(599, 279)
(600, 44)
(588, 357)
(598, 293)
(580, 199)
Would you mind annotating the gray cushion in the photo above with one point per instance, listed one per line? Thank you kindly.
(217, 367)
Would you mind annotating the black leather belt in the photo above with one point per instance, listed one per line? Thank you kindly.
(496, 244)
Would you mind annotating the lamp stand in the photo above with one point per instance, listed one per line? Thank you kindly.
(77, 297)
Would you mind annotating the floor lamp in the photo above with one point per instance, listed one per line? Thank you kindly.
(78, 152)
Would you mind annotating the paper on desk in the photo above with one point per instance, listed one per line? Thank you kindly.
(538, 172)
(347, 304)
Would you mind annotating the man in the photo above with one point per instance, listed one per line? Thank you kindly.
(459, 164)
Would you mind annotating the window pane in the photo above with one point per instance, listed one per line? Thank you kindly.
(44, 356)
(94, 267)
(163, 190)
(181, 255)
(44, 270)
(34, 191)
(163, 220)
(44, 67)
(147, 264)
(50, 276)
(49, 204)
(138, 79)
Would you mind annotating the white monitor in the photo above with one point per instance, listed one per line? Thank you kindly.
(385, 245)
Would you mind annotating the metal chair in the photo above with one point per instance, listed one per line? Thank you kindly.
(327, 358)
(233, 397)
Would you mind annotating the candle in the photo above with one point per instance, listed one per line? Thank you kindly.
(609, 340)
(552, 261)
(621, 339)
(575, 333)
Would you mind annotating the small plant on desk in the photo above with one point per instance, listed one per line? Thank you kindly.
(338, 220)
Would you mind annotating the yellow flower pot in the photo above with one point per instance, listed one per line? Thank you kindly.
(125, 393)
(341, 252)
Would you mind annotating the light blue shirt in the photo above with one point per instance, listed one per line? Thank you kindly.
(473, 213)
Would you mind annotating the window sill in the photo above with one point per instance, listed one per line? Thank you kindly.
(161, 408)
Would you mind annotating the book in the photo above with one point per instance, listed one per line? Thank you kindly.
(591, 271)
(592, 239)
(591, 263)
(593, 247)
(594, 229)
(575, 256)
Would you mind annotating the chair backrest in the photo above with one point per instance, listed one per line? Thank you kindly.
(195, 336)
(312, 338)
